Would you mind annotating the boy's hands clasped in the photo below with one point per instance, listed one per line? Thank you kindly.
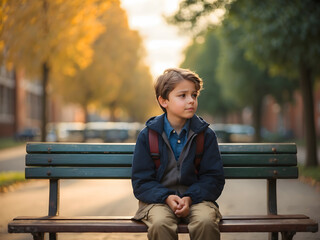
(180, 206)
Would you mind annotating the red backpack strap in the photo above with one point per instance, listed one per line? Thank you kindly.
(154, 147)
(199, 151)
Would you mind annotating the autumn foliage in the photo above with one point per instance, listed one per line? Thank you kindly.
(83, 50)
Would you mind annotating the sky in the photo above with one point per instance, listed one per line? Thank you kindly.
(163, 44)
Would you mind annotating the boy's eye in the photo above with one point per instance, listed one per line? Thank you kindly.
(182, 95)
(195, 95)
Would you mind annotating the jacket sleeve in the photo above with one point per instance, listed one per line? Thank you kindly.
(211, 180)
(146, 188)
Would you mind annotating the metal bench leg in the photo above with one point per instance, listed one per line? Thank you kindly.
(53, 236)
(38, 236)
(272, 203)
(273, 236)
(287, 235)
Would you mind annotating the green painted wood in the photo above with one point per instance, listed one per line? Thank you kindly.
(80, 148)
(77, 173)
(258, 148)
(254, 159)
(54, 197)
(125, 173)
(261, 173)
(81, 159)
(272, 208)
(129, 148)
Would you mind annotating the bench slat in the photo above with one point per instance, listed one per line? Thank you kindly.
(228, 217)
(261, 172)
(261, 148)
(125, 172)
(229, 160)
(129, 148)
(79, 160)
(80, 148)
(125, 226)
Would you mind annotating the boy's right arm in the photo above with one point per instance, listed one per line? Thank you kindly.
(146, 187)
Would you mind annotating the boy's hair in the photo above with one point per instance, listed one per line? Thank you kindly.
(171, 77)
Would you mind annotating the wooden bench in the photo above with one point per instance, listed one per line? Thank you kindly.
(58, 161)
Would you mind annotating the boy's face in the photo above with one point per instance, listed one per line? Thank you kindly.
(182, 101)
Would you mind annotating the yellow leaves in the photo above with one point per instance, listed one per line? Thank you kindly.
(56, 31)
(111, 77)
(1, 46)
(93, 55)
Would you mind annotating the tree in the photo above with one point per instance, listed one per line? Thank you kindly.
(289, 45)
(44, 37)
(202, 57)
(281, 36)
(242, 81)
(116, 75)
(142, 103)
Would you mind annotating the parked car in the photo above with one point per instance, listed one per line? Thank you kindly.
(233, 133)
(28, 134)
(65, 132)
(111, 131)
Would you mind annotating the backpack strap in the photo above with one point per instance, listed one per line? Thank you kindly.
(155, 154)
(154, 147)
(199, 151)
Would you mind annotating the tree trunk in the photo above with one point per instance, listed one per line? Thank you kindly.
(86, 116)
(86, 113)
(112, 107)
(44, 119)
(45, 79)
(308, 108)
(256, 115)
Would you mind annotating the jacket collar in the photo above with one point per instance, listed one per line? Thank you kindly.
(197, 124)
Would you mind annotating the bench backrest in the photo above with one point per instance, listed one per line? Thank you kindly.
(56, 161)
(113, 161)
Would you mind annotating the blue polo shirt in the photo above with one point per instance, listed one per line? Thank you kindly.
(176, 141)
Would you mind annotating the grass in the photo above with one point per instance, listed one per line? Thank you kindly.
(310, 172)
(8, 143)
(8, 179)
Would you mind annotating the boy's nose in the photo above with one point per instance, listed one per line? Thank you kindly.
(190, 99)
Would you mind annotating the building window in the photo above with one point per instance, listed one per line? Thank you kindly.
(6, 104)
(33, 106)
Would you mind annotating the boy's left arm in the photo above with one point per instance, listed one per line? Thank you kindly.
(211, 178)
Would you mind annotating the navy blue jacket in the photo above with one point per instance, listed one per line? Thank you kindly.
(207, 185)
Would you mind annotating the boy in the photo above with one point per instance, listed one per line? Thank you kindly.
(177, 190)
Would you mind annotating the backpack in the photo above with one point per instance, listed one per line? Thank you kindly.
(155, 154)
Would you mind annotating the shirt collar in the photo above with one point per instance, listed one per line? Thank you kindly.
(168, 129)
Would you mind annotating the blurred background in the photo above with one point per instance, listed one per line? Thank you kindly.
(83, 70)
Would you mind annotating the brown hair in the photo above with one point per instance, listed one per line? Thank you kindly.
(171, 77)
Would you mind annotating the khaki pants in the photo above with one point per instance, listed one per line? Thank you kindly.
(203, 222)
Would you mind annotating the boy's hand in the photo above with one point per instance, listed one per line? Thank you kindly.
(174, 201)
(180, 206)
(183, 209)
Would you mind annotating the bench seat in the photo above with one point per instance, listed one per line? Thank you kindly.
(254, 223)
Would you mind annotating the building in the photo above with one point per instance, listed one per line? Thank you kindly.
(20, 105)
(288, 119)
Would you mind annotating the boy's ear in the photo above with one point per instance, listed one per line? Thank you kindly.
(163, 102)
